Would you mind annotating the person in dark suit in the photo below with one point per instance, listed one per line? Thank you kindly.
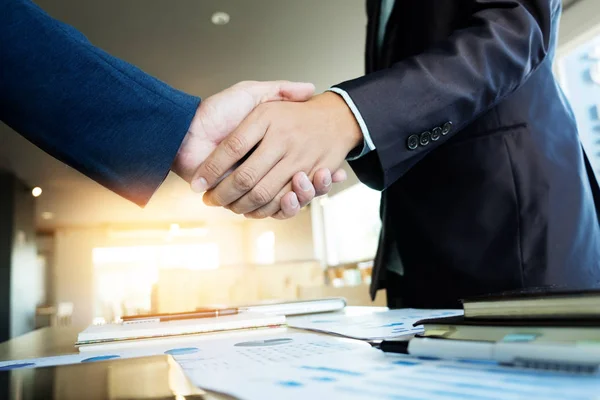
(110, 120)
(462, 125)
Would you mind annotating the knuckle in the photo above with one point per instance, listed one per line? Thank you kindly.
(213, 168)
(217, 200)
(244, 179)
(259, 196)
(235, 146)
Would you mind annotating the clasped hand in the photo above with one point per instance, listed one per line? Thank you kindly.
(265, 149)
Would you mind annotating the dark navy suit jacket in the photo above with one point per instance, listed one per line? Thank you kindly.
(96, 113)
(485, 184)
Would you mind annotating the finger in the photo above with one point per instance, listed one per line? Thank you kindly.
(306, 196)
(244, 179)
(272, 207)
(290, 206)
(265, 191)
(322, 181)
(286, 211)
(230, 151)
(263, 92)
(303, 188)
(280, 215)
(339, 176)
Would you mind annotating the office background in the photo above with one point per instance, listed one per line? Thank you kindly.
(78, 253)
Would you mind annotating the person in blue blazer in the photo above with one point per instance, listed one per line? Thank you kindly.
(108, 119)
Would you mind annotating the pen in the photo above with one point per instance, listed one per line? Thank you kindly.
(547, 355)
(179, 316)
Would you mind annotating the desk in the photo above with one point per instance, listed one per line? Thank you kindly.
(44, 342)
(58, 341)
(345, 370)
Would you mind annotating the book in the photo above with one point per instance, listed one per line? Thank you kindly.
(537, 303)
(563, 331)
(155, 329)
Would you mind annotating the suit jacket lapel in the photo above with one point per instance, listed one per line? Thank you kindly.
(373, 12)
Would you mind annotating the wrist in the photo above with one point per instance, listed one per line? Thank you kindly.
(194, 147)
(344, 122)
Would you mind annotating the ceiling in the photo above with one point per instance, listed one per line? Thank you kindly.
(309, 40)
(177, 42)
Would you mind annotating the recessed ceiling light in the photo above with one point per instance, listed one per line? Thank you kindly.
(220, 18)
(36, 191)
(47, 215)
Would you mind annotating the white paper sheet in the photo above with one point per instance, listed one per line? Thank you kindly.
(375, 326)
(370, 374)
(303, 366)
(233, 352)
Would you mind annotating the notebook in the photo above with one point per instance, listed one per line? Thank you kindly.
(562, 331)
(153, 329)
(537, 303)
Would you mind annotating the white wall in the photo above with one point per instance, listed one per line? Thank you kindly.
(578, 23)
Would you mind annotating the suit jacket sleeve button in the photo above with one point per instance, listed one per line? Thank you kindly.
(425, 138)
(412, 142)
(446, 128)
(436, 133)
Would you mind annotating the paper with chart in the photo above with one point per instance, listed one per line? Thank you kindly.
(218, 355)
(375, 326)
(294, 366)
(369, 374)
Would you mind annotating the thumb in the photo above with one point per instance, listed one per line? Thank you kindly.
(263, 92)
(296, 91)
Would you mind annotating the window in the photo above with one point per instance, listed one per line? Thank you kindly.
(265, 248)
(351, 225)
(125, 277)
(579, 74)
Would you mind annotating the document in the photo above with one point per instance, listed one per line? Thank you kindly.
(303, 366)
(240, 352)
(370, 374)
(386, 324)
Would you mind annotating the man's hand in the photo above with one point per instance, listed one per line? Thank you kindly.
(219, 115)
(303, 191)
(301, 136)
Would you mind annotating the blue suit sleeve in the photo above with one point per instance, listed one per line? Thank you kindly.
(96, 113)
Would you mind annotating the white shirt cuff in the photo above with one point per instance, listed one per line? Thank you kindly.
(368, 144)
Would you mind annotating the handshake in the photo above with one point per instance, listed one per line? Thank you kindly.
(265, 149)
